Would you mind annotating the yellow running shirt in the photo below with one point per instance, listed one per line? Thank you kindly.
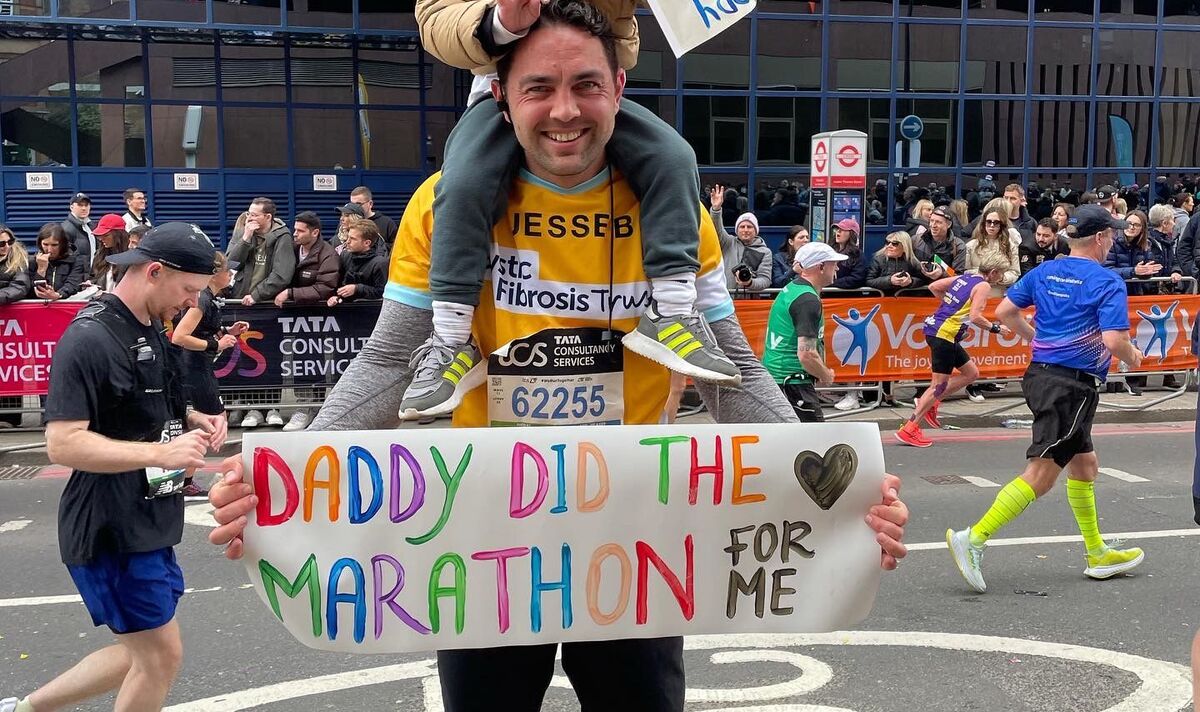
(550, 269)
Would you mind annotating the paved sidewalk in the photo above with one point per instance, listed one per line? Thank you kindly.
(958, 412)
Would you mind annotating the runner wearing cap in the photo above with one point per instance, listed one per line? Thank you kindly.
(114, 415)
(794, 353)
(1081, 322)
(963, 299)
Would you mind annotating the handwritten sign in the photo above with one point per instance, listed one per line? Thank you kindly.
(687, 24)
(421, 539)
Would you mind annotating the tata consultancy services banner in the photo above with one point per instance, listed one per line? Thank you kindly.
(883, 339)
(29, 332)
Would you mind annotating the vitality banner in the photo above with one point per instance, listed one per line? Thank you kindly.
(407, 540)
(882, 339)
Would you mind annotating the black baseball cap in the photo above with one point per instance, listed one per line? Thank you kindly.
(1091, 219)
(352, 209)
(943, 212)
(1105, 193)
(178, 245)
(81, 198)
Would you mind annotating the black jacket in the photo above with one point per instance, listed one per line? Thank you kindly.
(14, 286)
(387, 229)
(1024, 223)
(953, 250)
(368, 270)
(1187, 248)
(879, 274)
(64, 275)
(852, 272)
(73, 226)
(1032, 254)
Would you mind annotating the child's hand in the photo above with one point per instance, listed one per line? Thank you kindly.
(516, 16)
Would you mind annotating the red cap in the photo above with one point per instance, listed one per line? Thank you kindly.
(112, 221)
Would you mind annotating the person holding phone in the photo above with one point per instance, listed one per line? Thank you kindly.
(55, 273)
(894, 267)
(199, 337)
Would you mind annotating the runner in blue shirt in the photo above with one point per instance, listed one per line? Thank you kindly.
(1082, 321)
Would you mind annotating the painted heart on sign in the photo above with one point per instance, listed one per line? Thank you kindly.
(826, 478)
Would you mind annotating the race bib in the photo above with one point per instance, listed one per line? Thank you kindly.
(160, 482)
(558, 377)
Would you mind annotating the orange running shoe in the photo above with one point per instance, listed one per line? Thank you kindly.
(911, 434)
(931, 417)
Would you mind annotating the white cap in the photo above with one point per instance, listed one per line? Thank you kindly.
(813, 254)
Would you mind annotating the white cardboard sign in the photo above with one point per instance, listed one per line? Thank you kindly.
(687, 24)
(424, 539)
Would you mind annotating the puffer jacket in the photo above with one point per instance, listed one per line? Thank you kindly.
(448, 31)
(734, 252)
(63, 275)
(851, 272)
(879, 274)
(978, 253)
(952, 250)
(316, 276)
(276, 249)
(1123, 257)
(781, 269)
(369, 270)
(14, 286)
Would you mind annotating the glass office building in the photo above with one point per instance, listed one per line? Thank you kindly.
(269, 97)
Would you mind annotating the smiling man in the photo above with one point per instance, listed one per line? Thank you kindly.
(567, 255)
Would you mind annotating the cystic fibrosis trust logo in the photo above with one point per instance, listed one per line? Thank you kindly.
(856, 338)
(1158, 330)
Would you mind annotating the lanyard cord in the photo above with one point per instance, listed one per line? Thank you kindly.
(612, 248)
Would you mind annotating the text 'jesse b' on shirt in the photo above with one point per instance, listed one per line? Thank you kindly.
(550, 269)
(1076, 299)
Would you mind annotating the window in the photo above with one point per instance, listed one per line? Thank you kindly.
(387, 14)
(1178, 140)
(789, 55)
(262, 12)
(862, 7)
(392, 139)
(324, 138)
(255, 137)
(34, 67)
(393, 76)
(323, 76)
(1126, 63)
(655, 67)
(785, 127)
(1062, 60)
(36, 133)
(993, 131)
(805, 7)
(179, 11)
(111, 135)
(871, 116)
(110, 70)
(252, 73)
(174, 149)
(97, 9)
(31, 7)
(662, 106)
(1125, 11)
(321, 13)
(716, 127)
(996, 59)
(1181, 12)
(998, 9)
(1058, 133)
(182, 71)
(928, 59)
(938, 141)
(1062, 10)
(721, 63)
(1180, 64)
(860, 56)
(1122, 134)
(931, 8)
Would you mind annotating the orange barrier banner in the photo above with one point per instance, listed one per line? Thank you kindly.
(877, 339)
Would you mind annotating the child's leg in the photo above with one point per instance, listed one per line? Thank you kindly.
(481, 159)
(661, 169)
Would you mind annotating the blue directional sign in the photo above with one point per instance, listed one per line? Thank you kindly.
(911, 127)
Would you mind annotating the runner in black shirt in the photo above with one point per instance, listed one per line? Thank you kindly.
(113, 413)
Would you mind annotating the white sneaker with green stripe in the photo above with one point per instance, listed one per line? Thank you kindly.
(442, 375)
(685, 345)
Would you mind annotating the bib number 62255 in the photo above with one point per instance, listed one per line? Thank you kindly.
(558, 403)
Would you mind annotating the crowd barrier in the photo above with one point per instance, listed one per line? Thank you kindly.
(868, 340)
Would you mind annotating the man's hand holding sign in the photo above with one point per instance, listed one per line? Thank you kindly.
(425, 539)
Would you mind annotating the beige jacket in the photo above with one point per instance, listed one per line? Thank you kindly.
(977, 253)
(448, 31)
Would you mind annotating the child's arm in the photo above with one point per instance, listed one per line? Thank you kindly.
(461, 33)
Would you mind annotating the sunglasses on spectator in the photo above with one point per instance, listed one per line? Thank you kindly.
(893, 243)
(5, 243)
(992, 222)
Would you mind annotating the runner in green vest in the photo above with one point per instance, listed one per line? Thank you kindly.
(794, 353)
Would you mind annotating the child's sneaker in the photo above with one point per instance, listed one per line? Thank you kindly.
(684, 345)
(442, 375)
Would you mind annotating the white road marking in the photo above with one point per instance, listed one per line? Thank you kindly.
(38, 601)
(979, 481)
(1163, 685)
(15, 525)
(1121, 475)
(1066, 539)
(199, 515)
